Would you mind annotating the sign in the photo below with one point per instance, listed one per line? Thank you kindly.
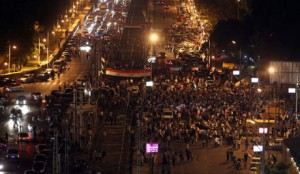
(149, 83)
(151, 147)
(292, 90)
(263, 130)
(254, 80)
(257, 148)
(236, 72)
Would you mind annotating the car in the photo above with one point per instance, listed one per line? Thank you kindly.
(23, 137)
(41, 147)
(21, 100)
(13, 88)
(12, 154)
(276, 144)
(27, 78)
(42, 76)
(39, 166)
(15, 112)
(6, 82)
(36, 96)
(41, 157)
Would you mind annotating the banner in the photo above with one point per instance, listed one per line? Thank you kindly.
(128, 73)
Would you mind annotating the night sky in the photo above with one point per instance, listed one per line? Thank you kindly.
(270, 29)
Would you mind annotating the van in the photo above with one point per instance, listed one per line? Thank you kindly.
(167, 113)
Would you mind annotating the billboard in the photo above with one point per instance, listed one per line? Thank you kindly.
(151, 147)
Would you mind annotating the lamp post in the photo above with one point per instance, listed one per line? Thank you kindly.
(238, 10)
(9, 55)
(153, 40)
(240, 54)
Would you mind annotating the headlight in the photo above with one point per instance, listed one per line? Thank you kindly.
(24, 101)
(1, 166)
(17, 102)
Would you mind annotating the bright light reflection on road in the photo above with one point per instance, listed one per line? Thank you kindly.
(10, 124)
(24, 108)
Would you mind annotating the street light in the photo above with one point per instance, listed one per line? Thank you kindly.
(240, 52)
(9, 55)
(238, 11)
(153, 40)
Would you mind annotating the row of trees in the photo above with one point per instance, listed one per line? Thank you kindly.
(267, 29)
(19, 18)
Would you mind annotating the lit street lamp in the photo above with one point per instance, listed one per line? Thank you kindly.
(9, 55)
(240, 52)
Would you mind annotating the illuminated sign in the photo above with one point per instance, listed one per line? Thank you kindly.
(151, 147)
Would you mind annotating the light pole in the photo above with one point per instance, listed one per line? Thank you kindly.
(240, 54)
(153, 40)
(238, 10)
(9, 55)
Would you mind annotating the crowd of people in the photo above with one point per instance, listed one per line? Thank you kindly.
(203, 115)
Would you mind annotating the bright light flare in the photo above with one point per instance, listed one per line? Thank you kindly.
(153, 37)
(271, 70)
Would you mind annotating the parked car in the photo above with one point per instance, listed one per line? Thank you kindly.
(42, 76)
(27, 78)
(23, 137)
(12, 154)
(21, 100)
(6, 81)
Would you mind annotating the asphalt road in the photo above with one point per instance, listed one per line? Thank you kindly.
(78, 68)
